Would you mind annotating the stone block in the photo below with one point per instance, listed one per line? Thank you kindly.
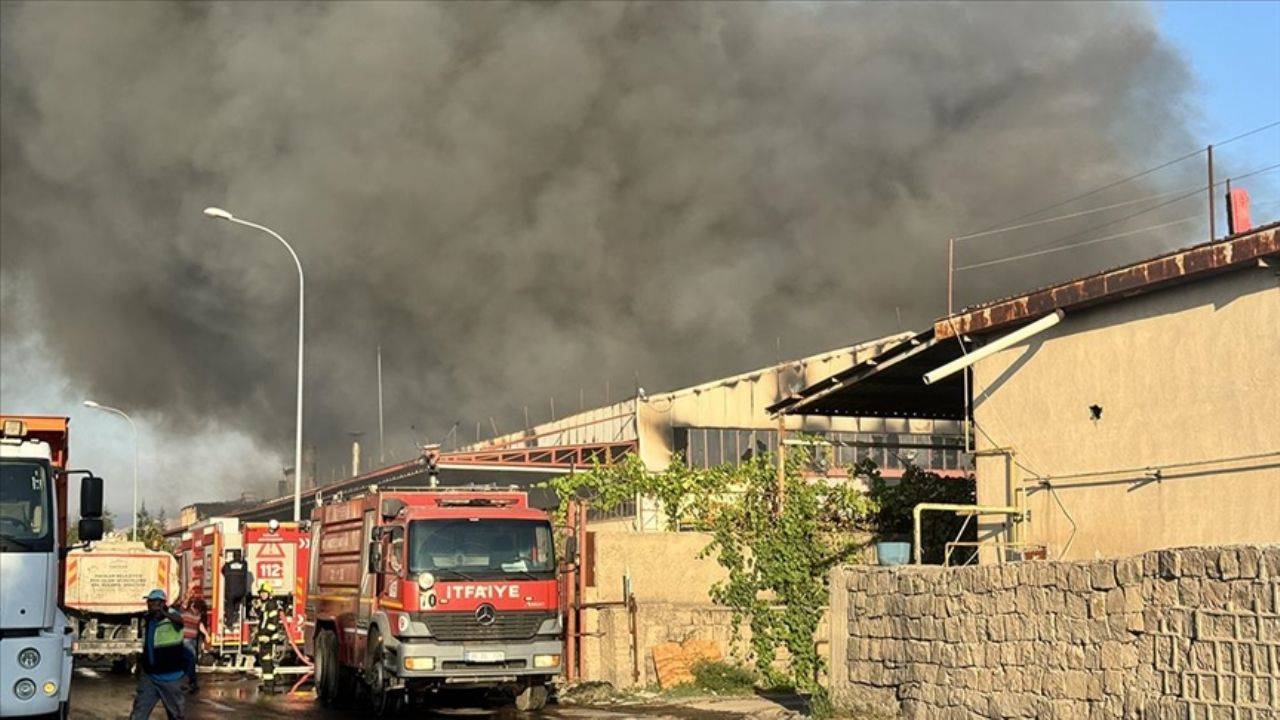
(1229, 564)
(1075, 685)
(1075, 605)
(1096, 606)
(1164, 592)
(1250, 558)
(1214, 594)
(1114, 601)
(1189, 593)
(1212, 558)
(1193, 562)
(1078, 579)
(1113, 682)
(1102, 574)
(1128, 571)
(1169, 564)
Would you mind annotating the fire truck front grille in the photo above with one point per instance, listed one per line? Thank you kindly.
(464, 626)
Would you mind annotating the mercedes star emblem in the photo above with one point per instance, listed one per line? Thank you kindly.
(485, 614)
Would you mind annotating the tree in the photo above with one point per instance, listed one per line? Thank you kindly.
(150, 530)
(896, 500)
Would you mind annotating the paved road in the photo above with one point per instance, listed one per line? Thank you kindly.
(100, 695)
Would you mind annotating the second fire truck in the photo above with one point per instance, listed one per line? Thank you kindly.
(415, 590)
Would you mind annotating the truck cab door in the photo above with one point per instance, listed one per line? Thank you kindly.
(368, 580)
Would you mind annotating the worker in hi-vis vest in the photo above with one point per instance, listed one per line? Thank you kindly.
(163, 662)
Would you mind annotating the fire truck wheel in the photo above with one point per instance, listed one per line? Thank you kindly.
(385, 702)
(327, 667)
(531, 698)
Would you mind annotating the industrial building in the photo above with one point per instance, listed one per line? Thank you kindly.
(1140, 409)
(727, 420)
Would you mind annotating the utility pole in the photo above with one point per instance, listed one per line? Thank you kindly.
(1213, 226)
(382, 447)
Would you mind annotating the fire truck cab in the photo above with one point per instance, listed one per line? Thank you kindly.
(415, 590)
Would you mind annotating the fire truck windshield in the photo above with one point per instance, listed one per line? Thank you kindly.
(26, 507)
(481, 549)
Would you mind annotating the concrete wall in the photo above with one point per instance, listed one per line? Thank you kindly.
(1190, 374)
(664, 567)
(608, 653)
(1186, 633)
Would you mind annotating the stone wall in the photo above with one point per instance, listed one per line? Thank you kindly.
(1185, 633)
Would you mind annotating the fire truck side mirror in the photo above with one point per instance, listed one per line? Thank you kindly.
(375, 556)
(90, 529)
(91, 497)
(571, 550)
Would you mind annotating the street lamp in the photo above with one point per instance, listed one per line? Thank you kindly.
(133, 533)
(220, 214)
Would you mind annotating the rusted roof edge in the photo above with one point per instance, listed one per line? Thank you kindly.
(1118, 283)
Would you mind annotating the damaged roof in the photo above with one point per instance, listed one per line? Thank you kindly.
(888, 385)
(891, 384)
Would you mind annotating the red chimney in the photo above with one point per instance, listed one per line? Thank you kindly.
(1238, 219)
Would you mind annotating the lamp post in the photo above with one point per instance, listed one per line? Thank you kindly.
(221, 214)
(133, 533)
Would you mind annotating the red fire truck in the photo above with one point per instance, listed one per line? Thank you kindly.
(416, 590)
(273, 551)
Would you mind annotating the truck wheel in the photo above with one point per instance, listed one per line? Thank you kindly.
(385, 702)
(327, 667)
(531, 698)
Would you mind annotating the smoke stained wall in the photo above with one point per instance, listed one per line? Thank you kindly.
(517, 201)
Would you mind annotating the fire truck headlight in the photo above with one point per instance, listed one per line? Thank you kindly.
(419, 663)
(25, 689)
(50, 688)
(426, 580)
(546, 661)
(402, 623)
(29, 658)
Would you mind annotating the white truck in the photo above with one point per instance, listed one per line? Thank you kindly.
(103, 597)
(35, 638)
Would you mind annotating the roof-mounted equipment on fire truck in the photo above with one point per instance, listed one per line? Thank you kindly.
(476, 502)
(391, 507)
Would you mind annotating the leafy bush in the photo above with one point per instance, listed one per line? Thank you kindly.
(724, 678)
(895, 501)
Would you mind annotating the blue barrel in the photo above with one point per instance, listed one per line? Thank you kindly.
(893, 553)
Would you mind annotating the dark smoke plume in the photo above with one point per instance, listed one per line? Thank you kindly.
(518, 201)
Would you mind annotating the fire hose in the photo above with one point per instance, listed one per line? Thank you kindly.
(298, 654)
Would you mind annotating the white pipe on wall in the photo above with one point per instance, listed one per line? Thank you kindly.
(993, 347)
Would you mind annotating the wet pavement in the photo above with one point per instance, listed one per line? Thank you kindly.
(97, 694)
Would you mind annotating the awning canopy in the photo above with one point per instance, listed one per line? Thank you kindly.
(889, 385)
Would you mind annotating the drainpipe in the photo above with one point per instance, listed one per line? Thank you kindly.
(959, 510)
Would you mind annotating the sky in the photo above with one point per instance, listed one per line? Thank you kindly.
(1229, 47)
(1233, 51)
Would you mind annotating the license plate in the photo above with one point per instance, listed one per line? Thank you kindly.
(489, 656)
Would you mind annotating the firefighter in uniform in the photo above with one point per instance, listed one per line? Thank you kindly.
(270, 633)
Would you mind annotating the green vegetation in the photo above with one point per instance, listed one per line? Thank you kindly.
(723, 678)
(777, 550)
(776, 542)
(894, 502)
